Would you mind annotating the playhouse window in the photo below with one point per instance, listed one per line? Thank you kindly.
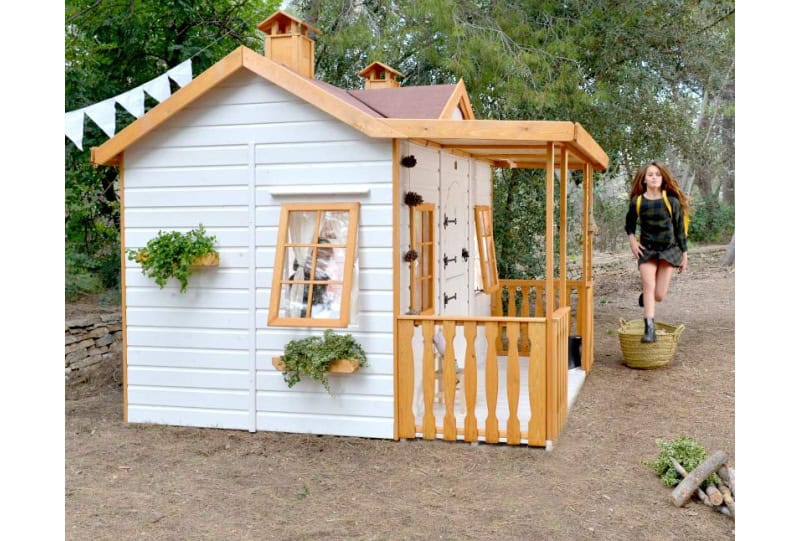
(484, 234)
(312, 282)
(423, 268)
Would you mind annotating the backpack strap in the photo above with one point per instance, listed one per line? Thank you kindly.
(638, 204)
(666, 201)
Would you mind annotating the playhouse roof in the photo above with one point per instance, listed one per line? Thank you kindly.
(419, 113)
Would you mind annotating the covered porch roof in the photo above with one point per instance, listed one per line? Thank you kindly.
(508, 143)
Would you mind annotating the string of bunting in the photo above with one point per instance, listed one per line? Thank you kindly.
(104, 114)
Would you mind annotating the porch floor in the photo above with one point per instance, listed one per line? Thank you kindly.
(575, 379)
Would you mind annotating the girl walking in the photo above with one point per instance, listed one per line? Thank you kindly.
(659, 205)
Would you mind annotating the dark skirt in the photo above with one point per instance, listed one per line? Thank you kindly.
(671, 254)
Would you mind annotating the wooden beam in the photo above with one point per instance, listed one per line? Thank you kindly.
(124, 295)
(497, 146)
(490, 130)
(562, 230)
(458, 97)
(589, 147)
(552, 429)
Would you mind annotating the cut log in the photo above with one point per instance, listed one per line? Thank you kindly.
(699, 492)
(727, 474)
(687, 487)
(714, 494)
(724, 510)
(728, 498)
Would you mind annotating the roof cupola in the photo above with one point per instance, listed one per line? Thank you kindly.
(287, 42)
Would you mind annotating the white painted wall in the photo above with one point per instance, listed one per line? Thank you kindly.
(203, 358)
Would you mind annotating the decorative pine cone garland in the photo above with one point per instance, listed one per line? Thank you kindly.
(413, 199)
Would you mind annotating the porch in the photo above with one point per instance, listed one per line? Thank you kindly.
(502, 378)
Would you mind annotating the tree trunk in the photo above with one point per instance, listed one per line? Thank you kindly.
(730, 252)
(687, 487)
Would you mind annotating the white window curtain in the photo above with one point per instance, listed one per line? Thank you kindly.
(301, 230)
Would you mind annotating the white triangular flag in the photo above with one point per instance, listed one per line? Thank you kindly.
(104, 115)
(182, 73)
(158, 87)
(73, 127)
(132, 101)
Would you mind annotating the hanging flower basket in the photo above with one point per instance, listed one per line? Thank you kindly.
(339, 366)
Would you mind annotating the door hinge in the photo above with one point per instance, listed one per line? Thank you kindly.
(448, 299)
(451, 260)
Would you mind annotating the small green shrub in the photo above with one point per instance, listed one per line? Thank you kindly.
(169, 255)
(687, 452)
(311, 356)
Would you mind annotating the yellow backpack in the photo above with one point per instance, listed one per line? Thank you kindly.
(669, 208)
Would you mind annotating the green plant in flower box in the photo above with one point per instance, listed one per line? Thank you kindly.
(313, 356)
(172, 254)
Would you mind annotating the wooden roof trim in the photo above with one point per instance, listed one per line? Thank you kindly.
(109, 152)
(303, 88)
(460, 96)
(379, 65)
(484, 131)
(589, 147)
(264, 25)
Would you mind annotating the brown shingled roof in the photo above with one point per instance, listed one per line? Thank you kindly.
(402, 102)
(407, 101)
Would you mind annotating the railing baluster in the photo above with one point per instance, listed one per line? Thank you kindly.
(512, 384)
(536, 385)
(450, 431)
(405, 373)
(492, 428)
(470, 383)
(539, 300)
(512, 301)
(428, 368)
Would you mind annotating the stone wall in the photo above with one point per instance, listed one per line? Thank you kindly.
(89, 341)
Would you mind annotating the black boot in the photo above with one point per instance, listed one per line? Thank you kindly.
(649, 330)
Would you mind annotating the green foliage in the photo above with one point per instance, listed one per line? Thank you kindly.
(687, 452)
(311, 356)
(111, 47)
(712, 221)
(169, 255)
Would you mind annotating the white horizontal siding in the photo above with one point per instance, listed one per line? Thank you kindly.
(366, 427)
(171, 218)
(320, 403)
(220, 359)
(206, 418)
(373, 385)
(188, 356)
(188, 398)
(232, 380)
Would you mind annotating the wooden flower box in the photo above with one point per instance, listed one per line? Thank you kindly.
(208, 260)
(339, 366)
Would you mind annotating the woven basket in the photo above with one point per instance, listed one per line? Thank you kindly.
(647, 355)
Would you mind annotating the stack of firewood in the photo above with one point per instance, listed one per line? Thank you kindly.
(719, 496)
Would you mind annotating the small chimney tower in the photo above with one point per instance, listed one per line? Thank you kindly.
(379, 75)
(287, 42)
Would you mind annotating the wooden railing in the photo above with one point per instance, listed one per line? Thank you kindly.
(546, 377)
(526, 298)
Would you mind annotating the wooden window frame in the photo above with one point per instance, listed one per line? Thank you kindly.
(487, 261)
(278, 281)
(425, 249)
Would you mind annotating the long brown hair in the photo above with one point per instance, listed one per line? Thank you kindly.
(668, 183)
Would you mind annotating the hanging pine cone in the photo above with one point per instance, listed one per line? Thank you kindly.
(410, 256)
(413, 199)
(408, 161)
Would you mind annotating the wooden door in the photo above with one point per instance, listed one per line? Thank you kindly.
(454, 225)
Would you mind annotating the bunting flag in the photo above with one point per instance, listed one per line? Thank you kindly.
(104, 113)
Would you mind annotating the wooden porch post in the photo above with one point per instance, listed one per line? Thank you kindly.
(588, 312)
(562, 230)
(550, 375)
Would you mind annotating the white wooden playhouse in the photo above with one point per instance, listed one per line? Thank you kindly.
(272, 161)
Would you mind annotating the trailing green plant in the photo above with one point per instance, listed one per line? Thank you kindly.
(311, 356)
(688, 452)
(170, 255)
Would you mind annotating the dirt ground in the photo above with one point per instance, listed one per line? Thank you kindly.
(161, 482)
